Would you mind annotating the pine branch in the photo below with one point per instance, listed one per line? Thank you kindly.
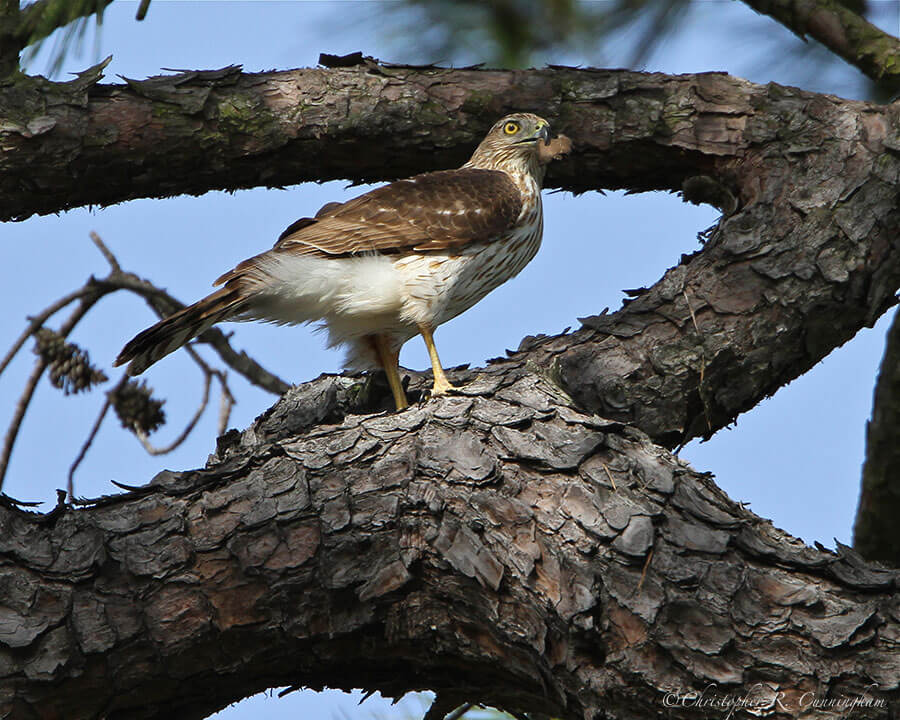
(844, 32)
(40, 19)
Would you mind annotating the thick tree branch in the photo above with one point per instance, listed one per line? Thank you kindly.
(200, 131)
(877, 533)
(808, 256)
(476, 541)
(841, 30)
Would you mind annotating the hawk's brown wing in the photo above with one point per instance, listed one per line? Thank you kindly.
(435, 212)
(426, 213)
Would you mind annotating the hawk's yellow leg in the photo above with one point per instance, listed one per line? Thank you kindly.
(390, 361)
(441, 383)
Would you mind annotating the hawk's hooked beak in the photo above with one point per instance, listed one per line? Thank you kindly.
(541, 133)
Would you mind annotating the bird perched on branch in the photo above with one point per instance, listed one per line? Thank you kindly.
(390, 264)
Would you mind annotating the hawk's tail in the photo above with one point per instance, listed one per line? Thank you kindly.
(171, 333)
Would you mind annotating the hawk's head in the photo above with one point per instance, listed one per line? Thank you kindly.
(513, 144)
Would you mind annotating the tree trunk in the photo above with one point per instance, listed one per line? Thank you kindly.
(503, 545)
(497, 546)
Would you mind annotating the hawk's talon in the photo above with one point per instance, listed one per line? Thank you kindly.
(442, 386)
(438, 391)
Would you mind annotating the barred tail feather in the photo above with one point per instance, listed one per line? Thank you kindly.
(171, 333)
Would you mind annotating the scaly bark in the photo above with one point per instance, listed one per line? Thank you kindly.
(503, 541)
(498, 546)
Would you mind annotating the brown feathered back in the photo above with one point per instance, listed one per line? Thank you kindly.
(433, 212)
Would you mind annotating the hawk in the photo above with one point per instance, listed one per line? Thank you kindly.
(390, 264)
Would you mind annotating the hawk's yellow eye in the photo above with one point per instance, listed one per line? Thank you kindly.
(511, 128)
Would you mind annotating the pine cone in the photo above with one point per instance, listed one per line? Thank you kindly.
(137, 409)
(70, 366)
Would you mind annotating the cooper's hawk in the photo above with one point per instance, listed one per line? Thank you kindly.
(390, 264)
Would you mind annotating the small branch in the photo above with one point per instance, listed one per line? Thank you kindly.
(106, 252)
(855, 39)
(21, 407)
(192, 423)
(163, 304)
(70, 486)
(142, 10)
(460, 711)
(38, 320)
(15, 424)
(242, 363)
(226, 402)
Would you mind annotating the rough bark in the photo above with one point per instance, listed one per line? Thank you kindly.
(497, 546)
(876, 533)
(224, 129)
(199, 131)
(502, 541)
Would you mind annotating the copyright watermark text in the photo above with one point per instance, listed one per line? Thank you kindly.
(762, 698)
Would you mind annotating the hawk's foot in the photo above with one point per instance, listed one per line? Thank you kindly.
(442, 386)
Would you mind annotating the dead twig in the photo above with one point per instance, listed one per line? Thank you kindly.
(163, 304)
(107, 253)
(226, 402)
(609, 475)
(36, 321)
(460, 711)
(192, 423)
(21, 406)
(644, 571)
(70, 485)
(87, 302)
(225, 405)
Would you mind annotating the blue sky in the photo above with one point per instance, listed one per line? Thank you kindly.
(796, 458)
